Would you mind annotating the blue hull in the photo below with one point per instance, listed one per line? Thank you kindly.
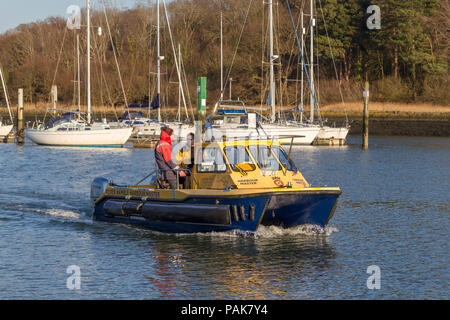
(290, 210)
(244, 213)
(241, 213)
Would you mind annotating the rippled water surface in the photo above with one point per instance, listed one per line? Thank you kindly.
(393, 213)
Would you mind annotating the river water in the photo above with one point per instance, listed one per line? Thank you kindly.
(392, 217)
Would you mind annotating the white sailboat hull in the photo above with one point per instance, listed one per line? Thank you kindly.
(333, 133)
(82, 138)
(5, 130)
(308, 134)
(180, 130)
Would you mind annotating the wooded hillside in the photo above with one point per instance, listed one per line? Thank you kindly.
(407, 60)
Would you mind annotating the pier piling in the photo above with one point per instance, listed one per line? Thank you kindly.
(54, 98)
(20, 129)
(365, 124)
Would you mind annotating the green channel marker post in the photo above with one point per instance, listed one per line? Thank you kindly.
(201, 96)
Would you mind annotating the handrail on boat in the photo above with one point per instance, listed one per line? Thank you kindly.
(178, 175)
(177, 172)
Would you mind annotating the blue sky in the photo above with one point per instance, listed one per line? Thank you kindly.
(16, 12)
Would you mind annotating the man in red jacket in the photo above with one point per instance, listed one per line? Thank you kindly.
(163, 157)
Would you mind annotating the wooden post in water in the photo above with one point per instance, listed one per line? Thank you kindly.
(54, 98)
(365, 124)
(20, 129)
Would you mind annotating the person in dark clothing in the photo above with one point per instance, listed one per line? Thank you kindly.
(163, 157)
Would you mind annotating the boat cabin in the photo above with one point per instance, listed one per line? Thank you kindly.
(243, 164)
(234, 113)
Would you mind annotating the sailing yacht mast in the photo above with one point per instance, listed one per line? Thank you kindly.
(158, 61)
(89, 61)
(221, 54)
(6, 96)
(271, 59)
(73, 134)
(302, 77)
(79, 71)
(311, 61)
(179, 87)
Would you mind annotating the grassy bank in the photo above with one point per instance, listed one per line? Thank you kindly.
(337, 109)
(388, 110)
(393, 119)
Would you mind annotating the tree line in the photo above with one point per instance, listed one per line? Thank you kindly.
(406, 60)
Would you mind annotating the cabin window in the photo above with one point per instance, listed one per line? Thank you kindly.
(233, 120)
(211, 160)
(264, 157)
(267, 158)
(239, 158)
(282, 156)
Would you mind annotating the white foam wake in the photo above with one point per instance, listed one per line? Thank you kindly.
(67, 214)
(271, 232)
(305, 230)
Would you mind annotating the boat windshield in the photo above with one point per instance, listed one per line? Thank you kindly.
(281, 155)
(211, 160)
(60, 119)
(239, 158)
(56, 122)
(267, 158)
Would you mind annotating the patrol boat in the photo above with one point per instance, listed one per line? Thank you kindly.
(235, 185)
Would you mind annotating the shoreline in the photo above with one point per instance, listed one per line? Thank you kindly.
(399, 127)
(387, 119)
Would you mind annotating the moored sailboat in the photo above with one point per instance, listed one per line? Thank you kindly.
(5, 129)
(149, 129)
(71, 130)
(234, 120)
(75, 131)
(331, 135)
(233, 117)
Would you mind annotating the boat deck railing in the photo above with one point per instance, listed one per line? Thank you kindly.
(157, 173)
(177, 172)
